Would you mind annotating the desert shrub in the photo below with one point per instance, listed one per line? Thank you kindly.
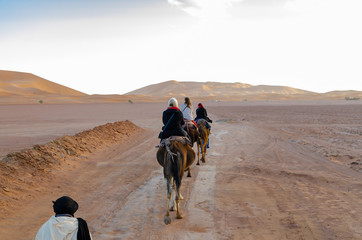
(352, 98)
(41, 101)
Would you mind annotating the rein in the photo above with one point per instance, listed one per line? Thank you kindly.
(167, 145)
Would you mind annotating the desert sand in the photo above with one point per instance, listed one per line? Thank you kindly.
(274, 170)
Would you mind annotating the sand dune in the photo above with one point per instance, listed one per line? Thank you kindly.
(237, 92)
(26, 84)
(26, 88)
(210, 89)
(275, 169)
(22, 170)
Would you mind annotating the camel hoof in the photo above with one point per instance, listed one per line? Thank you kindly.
(167, 220)
(179, 216)
(189, 175)
(203, 160)
(197, 163)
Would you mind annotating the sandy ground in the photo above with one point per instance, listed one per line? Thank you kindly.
(275, 170)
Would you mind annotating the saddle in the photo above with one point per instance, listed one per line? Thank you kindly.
(201, 122)
(167, 141)
(190, 124)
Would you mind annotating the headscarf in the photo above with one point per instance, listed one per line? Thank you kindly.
(173, 102)
(200, 105)
(65, 205)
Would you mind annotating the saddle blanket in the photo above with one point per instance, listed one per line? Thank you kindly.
(201, 121)
(190, 123)
(167, 141)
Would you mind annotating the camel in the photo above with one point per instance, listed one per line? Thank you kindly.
(175, 157)
(193, 132)
(202, 141)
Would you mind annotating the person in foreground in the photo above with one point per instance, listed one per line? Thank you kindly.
(63, 225)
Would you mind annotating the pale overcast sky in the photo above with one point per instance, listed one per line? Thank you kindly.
(116, 46)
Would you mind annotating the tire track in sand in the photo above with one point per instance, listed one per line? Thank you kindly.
(202, 204)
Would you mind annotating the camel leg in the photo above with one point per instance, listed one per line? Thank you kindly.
(207, 142)
(167, 219)
(178, 213)
(189, 172)
(203, 150)
(173, 203)
(204, 154)
(173, 198)
(198, 154)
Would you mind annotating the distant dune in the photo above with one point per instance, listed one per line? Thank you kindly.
(236, 91)
(26, 84)
(26, 88)
(212, 89)
(175, 88)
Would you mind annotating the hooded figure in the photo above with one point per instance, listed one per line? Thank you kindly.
(65, 205)
(63, 225)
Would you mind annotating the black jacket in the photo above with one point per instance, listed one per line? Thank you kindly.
(174, 127)
(201, 113)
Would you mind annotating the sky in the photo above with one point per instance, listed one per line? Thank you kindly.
(117, 46)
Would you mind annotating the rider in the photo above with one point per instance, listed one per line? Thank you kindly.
(173, 120)
(63, 225)
(186, 109)
(201, 113)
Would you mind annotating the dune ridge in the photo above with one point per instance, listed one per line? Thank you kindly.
(207, 89)
(237, 92)
(27, 84)
(21, 171)
(26, 88)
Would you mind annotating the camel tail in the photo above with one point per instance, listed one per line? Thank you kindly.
(172, 168)
(176, 170)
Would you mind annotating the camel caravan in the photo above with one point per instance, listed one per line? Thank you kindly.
(175, 151)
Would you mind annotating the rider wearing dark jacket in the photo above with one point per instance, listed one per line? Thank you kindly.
(174, 126)
(201, 113)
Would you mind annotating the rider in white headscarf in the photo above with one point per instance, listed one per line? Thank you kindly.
(63, 225)
(173, 121)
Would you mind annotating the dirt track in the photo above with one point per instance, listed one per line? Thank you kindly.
(273, 172)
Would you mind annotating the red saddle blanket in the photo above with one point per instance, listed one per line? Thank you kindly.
(190, 123)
